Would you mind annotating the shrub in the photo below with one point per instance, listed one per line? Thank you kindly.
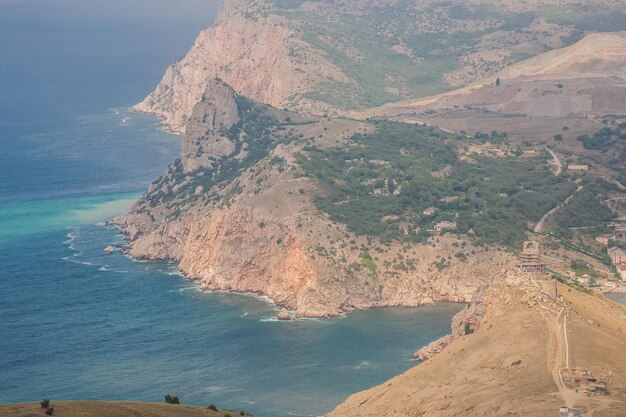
(49, 411)
(212, 407)
(45, 403)
(171, 399)
(468, 329)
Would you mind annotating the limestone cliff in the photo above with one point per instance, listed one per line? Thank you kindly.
(252, 54)
(236, 212)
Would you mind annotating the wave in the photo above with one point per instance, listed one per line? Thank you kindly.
(363, 365)
(72, 236)
(245, 313)
(69, 259)
(213, 388)
(184, 289)
(271, 320)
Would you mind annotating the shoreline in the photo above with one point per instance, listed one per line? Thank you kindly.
(124, 251)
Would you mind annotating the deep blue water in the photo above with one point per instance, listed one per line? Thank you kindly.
(78, 324)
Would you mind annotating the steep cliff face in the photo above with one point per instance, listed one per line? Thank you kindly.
(205, 141)
(236, 212)
(252, 53)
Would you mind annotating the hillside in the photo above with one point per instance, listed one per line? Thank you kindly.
(330, 215)
(511, 364)
(110, 409)
(331, 57)
(572, 86)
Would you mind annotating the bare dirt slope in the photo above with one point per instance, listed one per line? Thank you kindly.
(108, 409)
(510, 366)
(586, 78)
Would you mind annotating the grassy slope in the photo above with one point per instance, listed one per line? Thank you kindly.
(480, 375)
(109, 409)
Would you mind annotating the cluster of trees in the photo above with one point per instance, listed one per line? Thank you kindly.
(385, 180)
(254, 132)
(603, 138)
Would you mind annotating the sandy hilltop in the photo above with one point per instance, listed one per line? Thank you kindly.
(335, 158)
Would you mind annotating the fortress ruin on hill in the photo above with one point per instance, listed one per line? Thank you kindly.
(530, 257)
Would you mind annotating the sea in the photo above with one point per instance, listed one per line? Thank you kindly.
(78, 324)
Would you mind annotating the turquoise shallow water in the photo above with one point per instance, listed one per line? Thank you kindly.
(78, 324)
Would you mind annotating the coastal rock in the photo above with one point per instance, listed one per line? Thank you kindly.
(260, 231)
(283, 315)
(466, 321)
(109, 250)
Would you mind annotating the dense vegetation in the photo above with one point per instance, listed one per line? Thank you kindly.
(609, 146)
(253, 135)
(382, 182)
(584, 209)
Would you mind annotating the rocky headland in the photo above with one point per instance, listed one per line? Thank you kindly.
(258, 230)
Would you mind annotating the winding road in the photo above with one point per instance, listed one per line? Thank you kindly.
(539, 227)
(555, 161)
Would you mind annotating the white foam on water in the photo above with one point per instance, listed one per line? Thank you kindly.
(68, 259)
(363, 365)
(72, 236)
(213, 388)
(271, 320)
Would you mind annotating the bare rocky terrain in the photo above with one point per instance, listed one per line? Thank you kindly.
(332, 57)
(260, 231)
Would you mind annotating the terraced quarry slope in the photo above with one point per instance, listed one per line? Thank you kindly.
(584, 80)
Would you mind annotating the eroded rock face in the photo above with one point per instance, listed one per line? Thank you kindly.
(205, 138)
(464, 322)
(258, 230)
(251, 55)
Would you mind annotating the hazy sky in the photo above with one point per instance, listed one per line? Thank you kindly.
(194, 11)
(53, 49)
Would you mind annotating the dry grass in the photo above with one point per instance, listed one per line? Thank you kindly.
(510, 365)
(109, 409)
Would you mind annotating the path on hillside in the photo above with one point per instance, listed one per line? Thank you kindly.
(539, 227)
(555, 161)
